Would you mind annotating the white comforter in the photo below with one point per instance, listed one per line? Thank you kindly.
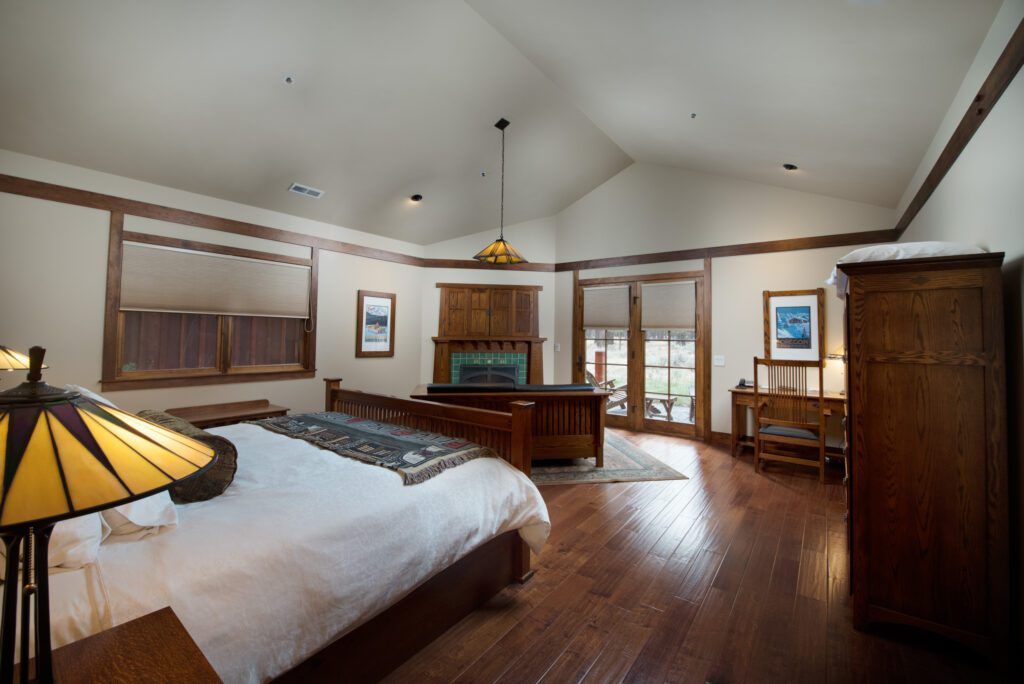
(304, 546)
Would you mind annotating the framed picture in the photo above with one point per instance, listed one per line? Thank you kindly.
(794, 325)
(375, 324)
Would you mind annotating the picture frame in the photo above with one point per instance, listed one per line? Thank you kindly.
(794, 325)
(375, 324)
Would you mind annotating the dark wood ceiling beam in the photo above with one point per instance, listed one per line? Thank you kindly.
(1002, 74)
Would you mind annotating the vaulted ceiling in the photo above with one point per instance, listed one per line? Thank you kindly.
(391, 97)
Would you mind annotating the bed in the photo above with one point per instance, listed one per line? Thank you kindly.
(315, 565)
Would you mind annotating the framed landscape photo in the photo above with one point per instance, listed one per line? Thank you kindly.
(375, 324)
(794, 325)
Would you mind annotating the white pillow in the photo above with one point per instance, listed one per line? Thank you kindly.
(897, 250)
(74, 542)
(89, 394)
(147, 516)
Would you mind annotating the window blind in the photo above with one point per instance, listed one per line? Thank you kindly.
(668, 305)
(156, 278)
(606, 307)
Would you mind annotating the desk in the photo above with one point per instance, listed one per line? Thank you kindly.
(743, 400)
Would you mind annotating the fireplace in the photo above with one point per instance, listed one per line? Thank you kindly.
(502, 368)
(488, 374)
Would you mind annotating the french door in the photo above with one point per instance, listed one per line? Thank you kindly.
(642, 338)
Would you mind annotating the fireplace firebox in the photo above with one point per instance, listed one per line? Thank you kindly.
(489, 374)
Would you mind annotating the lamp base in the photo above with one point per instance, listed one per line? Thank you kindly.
(26, 546)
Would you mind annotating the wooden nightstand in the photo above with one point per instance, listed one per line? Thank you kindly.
(153, 648)
(212, 415)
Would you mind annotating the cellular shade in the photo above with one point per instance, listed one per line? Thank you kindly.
(67, 457)
(606, 307)
(155, 278)
(668, 305)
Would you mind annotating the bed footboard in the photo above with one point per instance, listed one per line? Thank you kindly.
(510, 435)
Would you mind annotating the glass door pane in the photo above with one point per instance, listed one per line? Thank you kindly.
(668, 323)
(606, 365)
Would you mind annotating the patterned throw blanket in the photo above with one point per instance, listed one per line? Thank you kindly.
(416, 456)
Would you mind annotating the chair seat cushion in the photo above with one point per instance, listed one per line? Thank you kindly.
(784, 431)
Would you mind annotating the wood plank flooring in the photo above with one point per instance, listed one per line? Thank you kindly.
(726, 577)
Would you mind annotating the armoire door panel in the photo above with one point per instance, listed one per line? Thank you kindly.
(932, 320)
(930, 515)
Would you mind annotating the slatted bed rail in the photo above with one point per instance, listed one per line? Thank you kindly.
(509, 434)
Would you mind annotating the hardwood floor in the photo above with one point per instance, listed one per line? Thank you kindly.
(725, 577)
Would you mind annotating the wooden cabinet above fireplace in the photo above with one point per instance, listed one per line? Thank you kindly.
(488, 324)
(488, 311)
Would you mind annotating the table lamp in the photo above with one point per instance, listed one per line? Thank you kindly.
(61, 456)
(11, 359)
(839, 354)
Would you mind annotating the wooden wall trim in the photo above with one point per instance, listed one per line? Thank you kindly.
(112, 302)
(85, 198)
(178, 243)
(1002, 74)
(793, 244)
(484, 286)
(708, 328)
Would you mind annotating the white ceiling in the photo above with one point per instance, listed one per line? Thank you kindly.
(395, 97)
(390, 98)
(852, 91)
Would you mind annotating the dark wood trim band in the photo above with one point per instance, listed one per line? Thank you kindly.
(112, 302)
(163, 241)
(85, 198)
(1002, 74)
(793, 244)
(193, 380)
(650, 278)
(538, 288)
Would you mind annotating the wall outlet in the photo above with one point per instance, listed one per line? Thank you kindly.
(558, 347)
(719, 360)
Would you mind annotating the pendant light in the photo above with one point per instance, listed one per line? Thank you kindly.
(499, 251)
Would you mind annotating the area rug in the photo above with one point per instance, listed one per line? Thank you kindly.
(623, 462)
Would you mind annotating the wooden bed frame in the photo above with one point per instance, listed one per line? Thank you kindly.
(377, 647)
(566, 424)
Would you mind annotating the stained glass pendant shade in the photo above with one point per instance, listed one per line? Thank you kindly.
(499, 251)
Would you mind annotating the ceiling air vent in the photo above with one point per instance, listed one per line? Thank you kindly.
(300, 189)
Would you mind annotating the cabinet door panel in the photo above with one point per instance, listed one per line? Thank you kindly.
(454, 319)
(501, 312)
(479, 312)
(525, 313)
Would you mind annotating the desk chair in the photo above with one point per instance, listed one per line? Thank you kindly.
(789, 424)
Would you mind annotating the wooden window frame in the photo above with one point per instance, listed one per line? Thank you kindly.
(113, 324)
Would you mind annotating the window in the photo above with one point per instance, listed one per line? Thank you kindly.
(607, 356)
(670, 374)
(192, 313)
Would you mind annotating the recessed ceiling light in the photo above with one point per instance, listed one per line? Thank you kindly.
(789, 167)
(417, 198)
(289, 79)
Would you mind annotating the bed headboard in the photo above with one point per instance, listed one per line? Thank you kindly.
(510, 435)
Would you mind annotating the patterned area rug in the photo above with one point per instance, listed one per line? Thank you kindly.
(623, 462)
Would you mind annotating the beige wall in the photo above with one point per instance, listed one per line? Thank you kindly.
(651, 208)
(53, 264)
(981, 202)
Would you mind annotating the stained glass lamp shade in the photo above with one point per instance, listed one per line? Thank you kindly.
(500, 252)
(62, 455)
(11, 359)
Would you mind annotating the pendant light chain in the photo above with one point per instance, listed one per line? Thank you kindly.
(501, 215)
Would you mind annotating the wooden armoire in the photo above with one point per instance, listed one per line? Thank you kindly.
(927, 434)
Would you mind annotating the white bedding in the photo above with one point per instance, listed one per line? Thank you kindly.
(304, 546)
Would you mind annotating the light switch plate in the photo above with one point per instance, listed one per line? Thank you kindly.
(719, 360)
(558, 347)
